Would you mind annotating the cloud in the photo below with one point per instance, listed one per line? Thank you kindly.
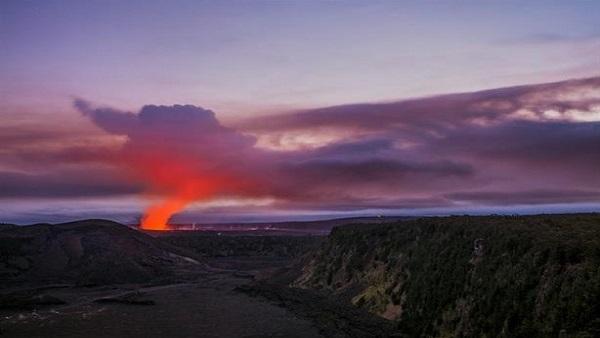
(527, 142)
(538, 137)
(180, 152)
(542, 196)
(73, 183)
(442, 112)
(163, 142)
(175, 147)
(524, 145)
(45, 158)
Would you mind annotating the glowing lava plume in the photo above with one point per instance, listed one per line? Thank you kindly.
(182, 181)
(179, 153)
(157, 216)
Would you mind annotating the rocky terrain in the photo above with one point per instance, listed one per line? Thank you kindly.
(532, 276)
(103, 279)
(492, 276)
(222, 245)
(92, 252)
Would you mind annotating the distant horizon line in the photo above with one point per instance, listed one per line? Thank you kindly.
(325, 219)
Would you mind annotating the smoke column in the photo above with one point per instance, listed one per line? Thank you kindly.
(182, 181)
(180, 153)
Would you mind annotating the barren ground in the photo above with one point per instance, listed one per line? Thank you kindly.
(207, 306)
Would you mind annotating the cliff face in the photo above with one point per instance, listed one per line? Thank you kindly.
(469, 276)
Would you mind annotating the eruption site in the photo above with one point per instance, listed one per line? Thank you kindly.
(180, 153)
(179, 180)
(412, 154)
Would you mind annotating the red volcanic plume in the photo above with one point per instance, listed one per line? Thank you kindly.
(180, 152)
(180, 181)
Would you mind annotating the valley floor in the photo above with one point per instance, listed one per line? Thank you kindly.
(208, 306)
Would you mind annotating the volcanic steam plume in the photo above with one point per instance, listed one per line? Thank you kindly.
(181, 153)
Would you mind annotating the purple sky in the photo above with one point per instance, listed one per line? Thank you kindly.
(321, 109)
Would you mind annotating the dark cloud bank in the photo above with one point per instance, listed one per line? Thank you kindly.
(525, 145)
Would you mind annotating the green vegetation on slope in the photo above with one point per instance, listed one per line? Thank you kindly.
(488, 276)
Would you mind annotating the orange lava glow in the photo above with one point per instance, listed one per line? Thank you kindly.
(157, 216)
(180, 181)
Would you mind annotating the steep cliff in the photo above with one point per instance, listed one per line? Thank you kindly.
(469, 276)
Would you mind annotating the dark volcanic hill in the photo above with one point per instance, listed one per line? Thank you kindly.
(495, 276)
(85, 252)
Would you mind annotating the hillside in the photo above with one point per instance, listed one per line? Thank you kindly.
(505, 276)
(85, 252)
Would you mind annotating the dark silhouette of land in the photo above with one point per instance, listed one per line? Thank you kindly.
(534, 276)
